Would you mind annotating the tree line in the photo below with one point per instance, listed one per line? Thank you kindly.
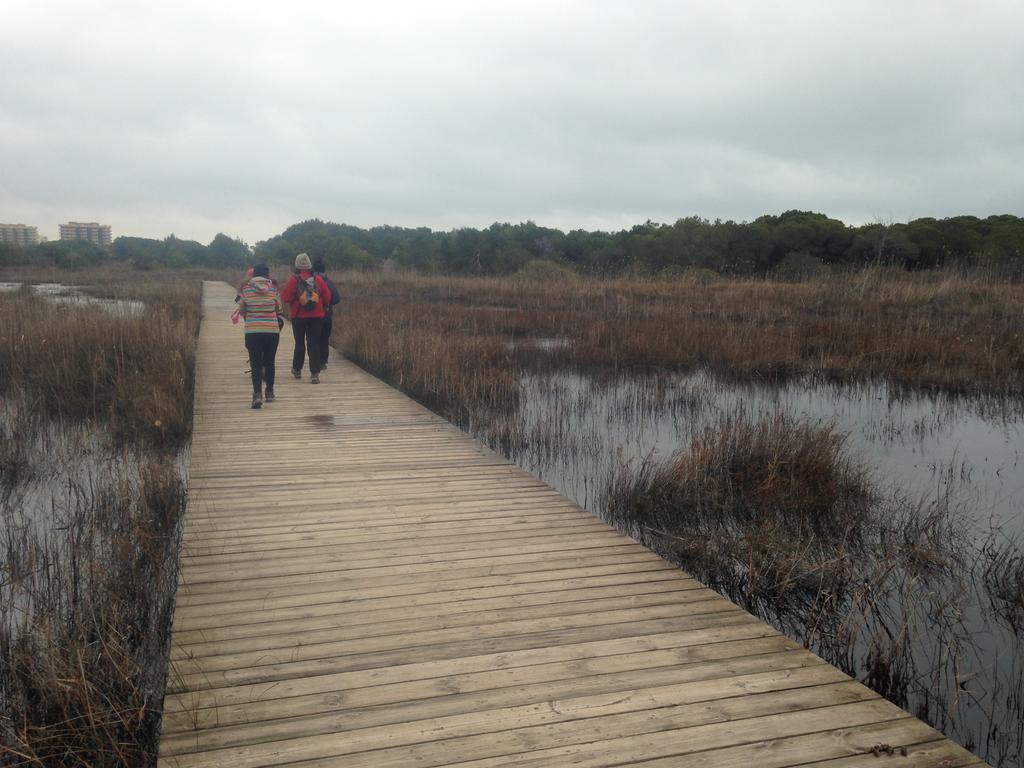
(794, 242)
(139, 252)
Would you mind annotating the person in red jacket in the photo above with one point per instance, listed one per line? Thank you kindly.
(307, 297)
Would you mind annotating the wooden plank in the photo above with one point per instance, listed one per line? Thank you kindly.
(719, 642)
(347, 709)
(374, 588)
(405, 649)
(330, 517)
(536, 549)
(886, 753)
(257, 653)
(257, 585)
(684, 743)
(833, 748)
(276, 635)
(854, 701)
(322, 738)
(352, 475)
(321, 520)
(335, 615)
(205, 510)
(289, 548)
(242, 520)
(335, 601)
(391, 585)
(380, 529)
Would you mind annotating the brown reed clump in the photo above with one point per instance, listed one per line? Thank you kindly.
(766, 510)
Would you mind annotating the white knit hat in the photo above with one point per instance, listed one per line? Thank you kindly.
(302, 261)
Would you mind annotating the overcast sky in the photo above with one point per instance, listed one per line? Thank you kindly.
(246, 117)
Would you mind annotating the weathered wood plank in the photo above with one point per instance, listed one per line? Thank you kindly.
(431, 593)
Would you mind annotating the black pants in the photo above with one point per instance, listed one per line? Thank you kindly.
(307, 334)
(262, 351)
(325, 340)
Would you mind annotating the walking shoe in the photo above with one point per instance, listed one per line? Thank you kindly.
(256, 401)
(314, 379)
(296, 373)
(269, 397)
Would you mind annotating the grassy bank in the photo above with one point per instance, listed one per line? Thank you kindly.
(97, 410)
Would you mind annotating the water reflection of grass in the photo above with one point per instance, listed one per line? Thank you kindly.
(1003, 575)
(97, 406)
(881, 581)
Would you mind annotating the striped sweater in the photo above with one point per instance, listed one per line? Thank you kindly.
(260, 305)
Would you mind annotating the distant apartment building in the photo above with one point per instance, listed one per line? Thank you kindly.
(90, 230)
(19, 234)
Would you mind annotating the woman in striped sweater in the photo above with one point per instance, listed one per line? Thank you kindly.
(260, 305)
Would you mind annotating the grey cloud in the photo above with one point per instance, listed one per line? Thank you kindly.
(245, 117)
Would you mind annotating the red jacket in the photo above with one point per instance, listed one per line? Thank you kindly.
(290, 294)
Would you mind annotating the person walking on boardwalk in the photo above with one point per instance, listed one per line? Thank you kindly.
(260, 304)
(320, 270)
(307, 296)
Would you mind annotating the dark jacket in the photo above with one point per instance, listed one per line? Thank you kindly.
(335, 296)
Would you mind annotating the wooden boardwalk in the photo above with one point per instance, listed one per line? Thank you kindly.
(364, 585)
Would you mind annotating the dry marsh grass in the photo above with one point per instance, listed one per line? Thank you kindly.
(132, 368)
(97, 406)
(451, 341)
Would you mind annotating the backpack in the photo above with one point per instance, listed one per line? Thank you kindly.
(306, 293)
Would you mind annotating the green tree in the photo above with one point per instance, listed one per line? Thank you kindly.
(224, 251)
(11, 255)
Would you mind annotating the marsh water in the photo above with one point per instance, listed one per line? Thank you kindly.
(967, 661)
(76, 296)
(924, 444)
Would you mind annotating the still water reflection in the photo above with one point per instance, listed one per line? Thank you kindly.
(922, 443)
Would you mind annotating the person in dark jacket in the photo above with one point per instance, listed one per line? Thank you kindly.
(307, 321)
(320, 270)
